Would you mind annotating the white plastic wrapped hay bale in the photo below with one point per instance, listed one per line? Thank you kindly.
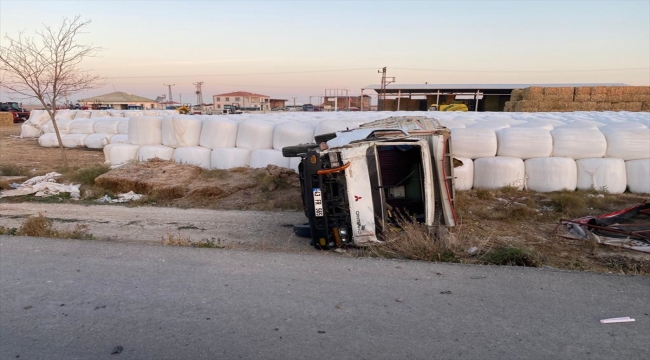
(145, 130)
(122, 153)
(551, 174)
(82, 126)
(535, 125)
(492, 124)
(195, 155)
(107, 153)
(524, 143)
(82, 114)
(578, 143)
(451, 124)
(147, 152)
(638, 176)
(106, 125)
(218, 132)
(255, 134)
(116, 113)
(181, 130)
(63, 125)
(292, 133)
(119, 139)
(260, 158)
(499, 171)
(628, 144)
(464, 174)
(123, 126)
(48, 140)
(627, 125)
(97, 140)
(30, 130)
(474, 142)
(602, 174)
(294, 162)
(100, 113)
(584, 124)
(65, 114)
(73, 140)
(228, 158)
(330, 126)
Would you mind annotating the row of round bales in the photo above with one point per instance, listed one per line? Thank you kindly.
(542, 152)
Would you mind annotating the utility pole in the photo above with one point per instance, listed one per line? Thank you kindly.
(170, 92)
(199, 94)
(294, 102)
(384, 81)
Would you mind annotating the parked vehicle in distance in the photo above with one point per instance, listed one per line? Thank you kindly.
(308, 107)
(449, 107)
(19, 114)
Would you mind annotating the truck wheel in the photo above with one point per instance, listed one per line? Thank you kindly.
(296, 150)
(302, 230)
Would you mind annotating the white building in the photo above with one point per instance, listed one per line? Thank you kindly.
(242, 99)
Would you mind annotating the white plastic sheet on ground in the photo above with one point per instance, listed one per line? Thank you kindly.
(43, 186)
(195, 155)
(228, 158)
(638, 175)
(551, 174)
(499, 171)
(578, 143)
(464, 174)
(602, 174)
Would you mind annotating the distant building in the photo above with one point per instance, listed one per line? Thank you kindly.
(244, 100)
(277, 103)
(119, 101)
(477, 97)
(346, 102)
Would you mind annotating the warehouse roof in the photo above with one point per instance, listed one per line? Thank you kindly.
(427, 88)
(117, 97)
(241, 93)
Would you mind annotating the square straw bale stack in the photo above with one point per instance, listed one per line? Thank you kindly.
(558, 93)
(582, 94)
(533, 93)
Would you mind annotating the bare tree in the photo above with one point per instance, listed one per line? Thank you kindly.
(46, 66)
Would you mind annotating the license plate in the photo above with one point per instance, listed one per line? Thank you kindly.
(318, 202)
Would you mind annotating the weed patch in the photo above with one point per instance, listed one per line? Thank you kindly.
(40, 226)
(179, 239)
(8, 231)
(511, 256)
(12, 170)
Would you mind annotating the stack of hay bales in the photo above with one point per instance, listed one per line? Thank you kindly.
(6, 119)
(595, 98)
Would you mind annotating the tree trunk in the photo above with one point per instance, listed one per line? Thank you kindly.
(58, 137)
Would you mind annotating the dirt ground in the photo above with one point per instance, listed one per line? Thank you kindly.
(198, 210)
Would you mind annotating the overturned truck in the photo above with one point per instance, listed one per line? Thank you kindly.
(354, 182)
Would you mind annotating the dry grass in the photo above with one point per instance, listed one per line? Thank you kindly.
(40, 226)
(179, 239)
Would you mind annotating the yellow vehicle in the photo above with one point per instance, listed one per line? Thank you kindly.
(448, 107)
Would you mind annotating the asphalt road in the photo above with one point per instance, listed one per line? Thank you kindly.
(70, 299)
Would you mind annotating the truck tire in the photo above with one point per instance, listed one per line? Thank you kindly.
(302, 230)
(296, 150)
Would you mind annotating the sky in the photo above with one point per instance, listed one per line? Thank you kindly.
(288, 49)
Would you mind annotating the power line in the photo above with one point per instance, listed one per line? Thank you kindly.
(249, 74)
(521, 71)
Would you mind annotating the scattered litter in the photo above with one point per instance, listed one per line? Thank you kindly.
(446, 292)
(617, 320)
(598, 196)
(399, 300)
(321, 332)
(339, 250)
(42, 186)
(472, 251)
(126, 197)
(118, 349)
(628, 228)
